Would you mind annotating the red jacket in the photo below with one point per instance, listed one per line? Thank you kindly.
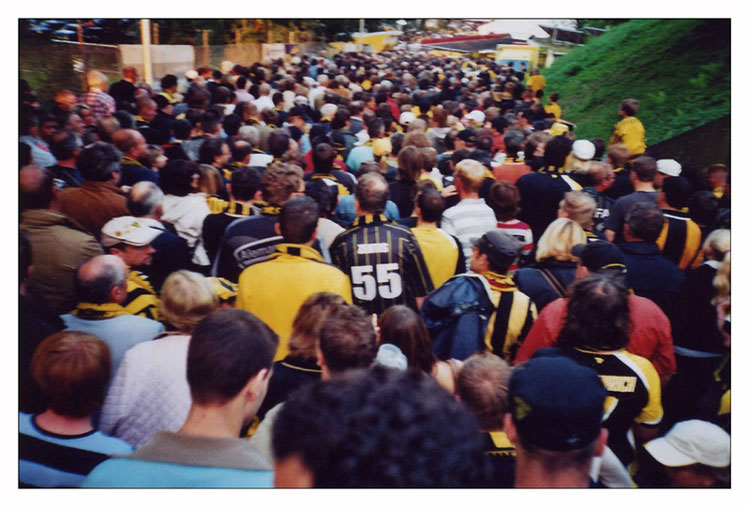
(650, 333)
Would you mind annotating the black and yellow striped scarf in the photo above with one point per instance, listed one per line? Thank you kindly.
(93, 311)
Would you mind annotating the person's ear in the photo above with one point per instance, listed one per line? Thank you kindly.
(601, 442)
(118, 294)
(277, 228)
(510, 429)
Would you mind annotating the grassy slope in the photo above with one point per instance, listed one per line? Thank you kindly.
(679, 70)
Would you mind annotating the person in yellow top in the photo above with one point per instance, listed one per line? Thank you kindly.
(553, 107)
(536, 81)
(441, 251)
(275, 288)
(629, 131)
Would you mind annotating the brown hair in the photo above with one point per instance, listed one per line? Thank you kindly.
(280, 181)
(410, 163)
(310, 317)
(418, 139)
(503, 199)
(618, 154)
(440, 117)
(401, 326)
(482, 384)
(429, 158)
(72, 370)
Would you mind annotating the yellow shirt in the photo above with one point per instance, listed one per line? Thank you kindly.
(630, 132)
(274, 290)
(553, 108)
(536, 82)
(440, 252)
(436, 181)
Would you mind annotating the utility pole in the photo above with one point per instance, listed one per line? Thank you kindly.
(361, 34)
(148, 73)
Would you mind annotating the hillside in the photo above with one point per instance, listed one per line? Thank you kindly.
(678, 69)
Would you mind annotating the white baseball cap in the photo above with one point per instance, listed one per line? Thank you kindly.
(584, 149)
(128, 230)
(477, 116)
(690, 442)
(407, 117)
(669, 166)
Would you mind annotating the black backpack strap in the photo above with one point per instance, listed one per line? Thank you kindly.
(553, 281)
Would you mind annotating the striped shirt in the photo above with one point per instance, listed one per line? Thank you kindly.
(680, 240)
(49, 460)
(384, 263)
(441, 253)
(634, 395)
(522, 232)
(101, 104)
(511, 321)
(468, 220)
(141, 299)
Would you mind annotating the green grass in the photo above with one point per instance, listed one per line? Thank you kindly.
(678, 69)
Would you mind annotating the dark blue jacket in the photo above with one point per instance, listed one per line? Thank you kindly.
(654, 277)
(456, 316)
(531, 282)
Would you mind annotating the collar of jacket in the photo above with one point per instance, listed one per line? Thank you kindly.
(139, 119)
(131, 161)
(371, 219)
(639, 248)
(101, 186)
(47, 217)
(298, 250)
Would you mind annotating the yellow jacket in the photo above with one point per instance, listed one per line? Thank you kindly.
(553, 108)
(274, 290)
(630, 132)
(536, 82)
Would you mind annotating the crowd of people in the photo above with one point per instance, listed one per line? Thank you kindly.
(364, 270)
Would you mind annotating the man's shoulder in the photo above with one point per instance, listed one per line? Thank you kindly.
(137, 473)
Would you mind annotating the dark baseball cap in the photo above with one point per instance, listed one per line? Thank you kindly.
(600, 255)
(468, 136)
(556, 403)
(501, 248)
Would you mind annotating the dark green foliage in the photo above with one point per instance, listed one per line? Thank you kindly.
(678, 69)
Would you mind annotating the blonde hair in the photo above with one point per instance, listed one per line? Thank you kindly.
(186, 298)
(579, 207)
(718, 242)
(471, 174)
(210, 180)
(96, 79)
(723, 279)
(559, 239)
(574, 164)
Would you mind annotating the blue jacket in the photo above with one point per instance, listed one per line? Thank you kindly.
(652, 276)
(456, 316)
(531, 282)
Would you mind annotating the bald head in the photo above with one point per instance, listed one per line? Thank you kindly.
(96, 79)
(102, 279)
(145, 200)
(35, 186)
(371, 193)
(129, 141)
(129, 74)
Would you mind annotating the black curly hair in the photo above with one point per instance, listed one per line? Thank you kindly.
(381, 428)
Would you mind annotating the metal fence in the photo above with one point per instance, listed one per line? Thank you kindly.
(51, 66)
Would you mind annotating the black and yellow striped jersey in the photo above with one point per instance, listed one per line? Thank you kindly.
(384, 263)
(344, 182)
(680, 240)
(511, 321)
(634, 395)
